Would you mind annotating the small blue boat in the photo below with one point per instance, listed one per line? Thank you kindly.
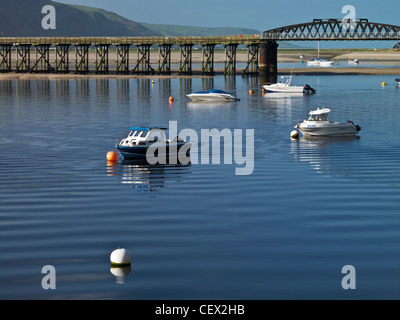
(140, 139)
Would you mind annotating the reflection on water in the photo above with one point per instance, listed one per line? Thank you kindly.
(145, 177)
(120, 273)
(344, 157)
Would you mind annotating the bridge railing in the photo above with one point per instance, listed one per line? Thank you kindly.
(236, 39)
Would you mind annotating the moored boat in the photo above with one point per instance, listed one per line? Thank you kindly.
(212, 95)
(285, 86)
(326, 63)
(140, 139)
(318, 124)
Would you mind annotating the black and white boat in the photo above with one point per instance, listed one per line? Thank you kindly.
(140, 139)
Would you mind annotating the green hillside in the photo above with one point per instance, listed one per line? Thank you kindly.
(23, 18)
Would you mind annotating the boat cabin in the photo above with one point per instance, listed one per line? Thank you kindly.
(143, 135)
(319, 115)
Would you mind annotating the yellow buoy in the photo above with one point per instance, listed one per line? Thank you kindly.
(383, 84)
(112, 156)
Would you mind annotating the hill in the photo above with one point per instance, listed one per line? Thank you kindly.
(23, 18)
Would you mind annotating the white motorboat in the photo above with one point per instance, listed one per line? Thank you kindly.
(212, 95)
(318, 124)
(326, 63)
(355, 61)
(285, 86)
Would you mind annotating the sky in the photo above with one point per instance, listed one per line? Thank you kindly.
(255, 14)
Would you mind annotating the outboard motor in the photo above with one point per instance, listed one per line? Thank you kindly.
(308, 90)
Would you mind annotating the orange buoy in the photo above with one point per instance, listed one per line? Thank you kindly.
(171, 99)
(112, 156)
(251, 91)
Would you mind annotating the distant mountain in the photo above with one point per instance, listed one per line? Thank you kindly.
(23, 18)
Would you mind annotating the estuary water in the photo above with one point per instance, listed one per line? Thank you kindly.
(198, 231)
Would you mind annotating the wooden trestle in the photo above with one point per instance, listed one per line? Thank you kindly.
(53, 54)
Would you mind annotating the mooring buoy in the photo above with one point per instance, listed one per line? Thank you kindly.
(120, 258)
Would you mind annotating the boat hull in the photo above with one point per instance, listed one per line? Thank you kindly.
(140, 152)
(338, 129)
(282, 89)
(211, 97)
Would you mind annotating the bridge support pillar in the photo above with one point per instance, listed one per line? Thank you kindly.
(207, 68)
(164, 59)
(268, 61)
(122, 63)
(101, 58)
(185, 64)
(23, 57)
(62, 58)
(252, 60)
(82, 58)
(230, 59)
(5, 58)
(143, 65)
(42, 63)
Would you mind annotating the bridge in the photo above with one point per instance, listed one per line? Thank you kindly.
(261, 58)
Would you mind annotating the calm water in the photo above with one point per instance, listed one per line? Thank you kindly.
(198, 231)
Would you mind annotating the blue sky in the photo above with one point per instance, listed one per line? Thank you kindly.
(255, 14)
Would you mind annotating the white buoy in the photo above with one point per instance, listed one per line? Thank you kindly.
(294, 134)
(120, 258)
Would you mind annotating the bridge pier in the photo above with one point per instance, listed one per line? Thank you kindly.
(207, 66)
(62, 58)
(185, 63)
(252, 67)
(42, 63)
(23, 57)
(268, 61)
(5, 57)
(82, 58)
(143, 65)
(230, 59)
(164, 59)
(122, 62)
(102, 58)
